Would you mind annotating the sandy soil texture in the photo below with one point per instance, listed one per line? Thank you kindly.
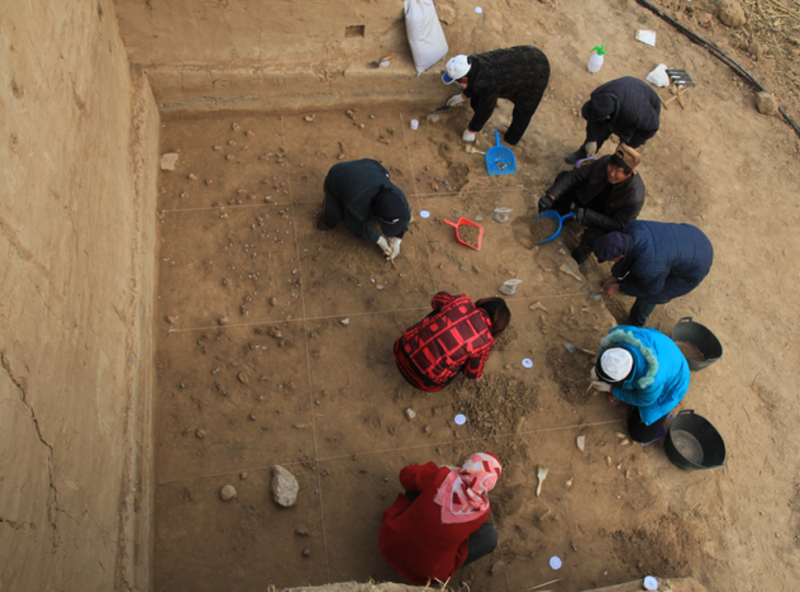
(275, 340)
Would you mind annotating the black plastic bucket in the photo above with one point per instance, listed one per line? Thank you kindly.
(692, 443)
(701, 338)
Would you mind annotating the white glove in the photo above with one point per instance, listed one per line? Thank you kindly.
(590, 148)
(456, 100)
(601, 386)
(468, 136)
(394, 245)
(384, 246)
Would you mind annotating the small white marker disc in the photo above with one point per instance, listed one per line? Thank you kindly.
(555, 562)
(460, 419)
(425, 214)
(527, 363)
(478, 9)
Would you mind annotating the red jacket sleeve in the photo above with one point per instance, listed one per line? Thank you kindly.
(417, 477)
(441, 298)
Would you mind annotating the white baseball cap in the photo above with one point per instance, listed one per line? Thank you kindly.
(616, 363)
(456, 67)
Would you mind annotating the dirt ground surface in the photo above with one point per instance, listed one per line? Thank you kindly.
(274, 339)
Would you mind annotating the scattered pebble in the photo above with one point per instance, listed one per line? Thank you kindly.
(306, 552)
(624, 442)
(223, 320)
(410, 414)
(234, 126)
(284, 487)
(227, 493)
(191, 176)
(243, 378)
(243, 475)
(168, 161)
(200, 433)
(581, 442)
(345, 322)
(608, 461)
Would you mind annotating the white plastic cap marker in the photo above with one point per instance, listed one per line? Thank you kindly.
(650, 583)
(478, 9)
(424, 214)
(555, 562)
(527, 363)
(460, 419)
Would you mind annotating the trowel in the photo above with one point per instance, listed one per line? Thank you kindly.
(377, 64)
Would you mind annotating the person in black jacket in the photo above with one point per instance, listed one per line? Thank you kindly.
(519, 74)
(627, 106)
(604, 195)
(359, 191)
(655, 262)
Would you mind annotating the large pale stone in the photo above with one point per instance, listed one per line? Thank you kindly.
(168, 161)
(284, 487)
(766, 103)
(731, 13)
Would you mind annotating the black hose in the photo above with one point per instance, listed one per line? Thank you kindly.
(720, 55)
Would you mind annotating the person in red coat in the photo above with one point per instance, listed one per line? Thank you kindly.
(438, 525)
(457, 336)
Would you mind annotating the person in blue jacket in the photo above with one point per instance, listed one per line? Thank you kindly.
(645, 369)
(655, 262)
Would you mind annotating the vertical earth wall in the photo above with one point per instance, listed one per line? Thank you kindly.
(79, 139)
(280, 54)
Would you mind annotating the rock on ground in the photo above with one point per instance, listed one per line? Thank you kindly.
(766, 103)
(168, 161)
(731, 13)
(284, 487)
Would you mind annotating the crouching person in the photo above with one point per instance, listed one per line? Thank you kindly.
(439, 524)
(359, 191)
(645, 369)
(457, 336)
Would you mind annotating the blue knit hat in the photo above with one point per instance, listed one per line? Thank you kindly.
(609, 246)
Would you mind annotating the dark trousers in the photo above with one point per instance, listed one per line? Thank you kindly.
(563, 205)
(332, 209)
(640, 310)
(600, 131)
(481, 542)
(519, 123)
(639, 431)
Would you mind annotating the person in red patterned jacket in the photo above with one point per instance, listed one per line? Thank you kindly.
(458, 335)
(439, 524)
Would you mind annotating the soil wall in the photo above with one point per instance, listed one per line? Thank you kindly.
(276, 55)
(78, 233)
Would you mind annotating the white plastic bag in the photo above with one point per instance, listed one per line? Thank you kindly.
(659, 76)
(425, 34)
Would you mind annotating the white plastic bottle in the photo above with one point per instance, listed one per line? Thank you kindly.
(596, 60)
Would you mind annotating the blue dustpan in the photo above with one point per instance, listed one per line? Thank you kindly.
(558, 218)
(500, 160)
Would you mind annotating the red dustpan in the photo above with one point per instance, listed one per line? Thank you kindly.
(466, 222)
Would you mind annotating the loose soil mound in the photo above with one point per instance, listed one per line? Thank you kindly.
(496, 404)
